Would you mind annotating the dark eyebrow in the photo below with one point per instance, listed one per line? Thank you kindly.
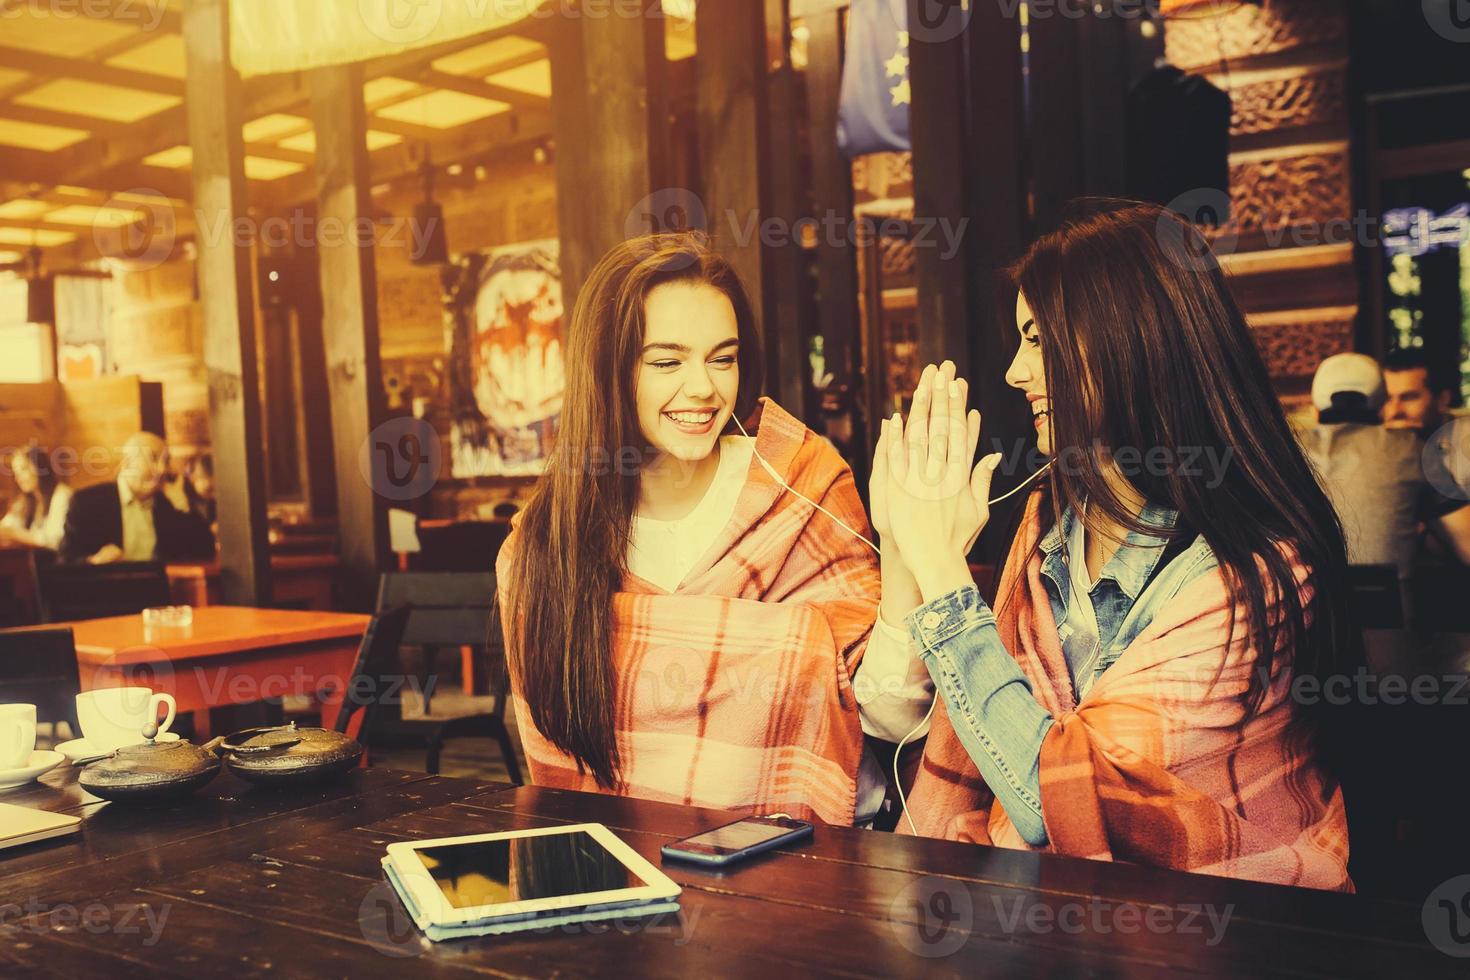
(1028, 325)
(685, 349)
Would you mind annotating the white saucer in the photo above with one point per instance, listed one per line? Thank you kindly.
(39, 764)
(80, 748)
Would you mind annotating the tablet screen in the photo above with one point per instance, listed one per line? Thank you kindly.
(519, 869)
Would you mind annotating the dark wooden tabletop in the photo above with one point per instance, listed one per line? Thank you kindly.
(244, 882)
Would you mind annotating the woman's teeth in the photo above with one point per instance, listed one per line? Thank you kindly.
(691, 418)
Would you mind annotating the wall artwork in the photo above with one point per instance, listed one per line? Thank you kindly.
(503, 314)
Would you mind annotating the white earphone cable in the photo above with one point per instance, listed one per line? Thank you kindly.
(897, 783)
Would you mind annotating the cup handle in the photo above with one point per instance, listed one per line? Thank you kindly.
(173, 708)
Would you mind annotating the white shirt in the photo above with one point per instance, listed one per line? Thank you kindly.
(48, 532)
(892, 685)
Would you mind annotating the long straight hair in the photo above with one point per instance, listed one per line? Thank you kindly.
(572, 540)
(30, 507)
(1144, 346)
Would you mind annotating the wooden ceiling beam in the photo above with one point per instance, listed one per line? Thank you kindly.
(54, 67)
(149, 16)
(396, 162)
(483, 90)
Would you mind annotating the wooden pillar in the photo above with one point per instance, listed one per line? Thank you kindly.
(350, 321)
(998, 232)
(937, 134)
(611, 135)
(837, 313)
(227, 299)
(740, 68)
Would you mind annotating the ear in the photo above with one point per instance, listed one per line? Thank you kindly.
(1442, 400)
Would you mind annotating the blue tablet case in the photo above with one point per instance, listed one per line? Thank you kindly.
(501, 926)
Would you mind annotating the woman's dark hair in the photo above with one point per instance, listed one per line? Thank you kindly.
(570, 553)
(1144, 346)
(29, 506)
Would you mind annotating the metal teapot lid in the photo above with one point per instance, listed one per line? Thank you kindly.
(288, 750)
(150, 769)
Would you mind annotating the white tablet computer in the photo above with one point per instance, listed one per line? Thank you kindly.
(522, 878)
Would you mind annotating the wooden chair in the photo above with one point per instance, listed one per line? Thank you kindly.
(40, 667)
(448, 609)
(376, 677)
(65, 593)
(1377, 603)
(464, 546)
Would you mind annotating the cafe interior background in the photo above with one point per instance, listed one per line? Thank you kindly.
(177, 252)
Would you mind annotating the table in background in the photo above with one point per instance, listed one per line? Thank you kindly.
(309, 580)
(250, 881)
(230, 655)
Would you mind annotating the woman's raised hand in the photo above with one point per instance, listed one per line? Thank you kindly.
(935, 501)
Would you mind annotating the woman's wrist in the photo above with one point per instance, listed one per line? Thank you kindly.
(900, 595)
(939, 578)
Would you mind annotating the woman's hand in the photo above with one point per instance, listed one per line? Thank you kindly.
(936, 503)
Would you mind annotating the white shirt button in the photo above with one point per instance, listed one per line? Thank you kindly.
(931, 620)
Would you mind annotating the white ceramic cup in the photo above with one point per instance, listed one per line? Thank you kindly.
(17, 734)
(112, 717)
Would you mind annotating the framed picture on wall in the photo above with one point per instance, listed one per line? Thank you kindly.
(506, 376)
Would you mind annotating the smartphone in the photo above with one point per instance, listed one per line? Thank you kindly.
(737, 841)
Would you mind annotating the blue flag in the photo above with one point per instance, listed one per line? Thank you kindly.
(873, 111)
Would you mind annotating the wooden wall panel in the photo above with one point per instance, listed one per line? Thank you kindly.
(1202, 43)
(1289, 244)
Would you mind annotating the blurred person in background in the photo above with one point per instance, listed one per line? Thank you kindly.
(38, 515)
(199, 487)
(137, 517)
(1413, 397)
(1375, 473)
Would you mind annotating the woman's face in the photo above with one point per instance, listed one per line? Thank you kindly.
(26, 477)
(688, 373)
(1029, 375)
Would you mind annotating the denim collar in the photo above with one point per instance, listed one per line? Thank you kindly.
(1133, 563)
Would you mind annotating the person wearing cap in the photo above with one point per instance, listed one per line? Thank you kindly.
(1373, 474)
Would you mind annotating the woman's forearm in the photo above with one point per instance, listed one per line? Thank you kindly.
(989, 701)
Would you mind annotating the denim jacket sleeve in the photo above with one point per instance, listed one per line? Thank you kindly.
(989, 701)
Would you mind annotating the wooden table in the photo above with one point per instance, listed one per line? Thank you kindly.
(231, 655)
(307, 579)
(247, 882)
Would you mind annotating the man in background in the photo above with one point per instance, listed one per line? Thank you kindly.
(134, 518)
(1413, 397)
(1374, 474)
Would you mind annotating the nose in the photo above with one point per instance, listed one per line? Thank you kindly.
(697, 382)
(1018, 375)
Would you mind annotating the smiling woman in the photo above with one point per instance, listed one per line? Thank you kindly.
(679, 625)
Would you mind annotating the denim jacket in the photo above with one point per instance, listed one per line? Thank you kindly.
(990, 704)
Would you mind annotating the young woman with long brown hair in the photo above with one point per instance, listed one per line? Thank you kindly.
(1131, 697)
(689, 613)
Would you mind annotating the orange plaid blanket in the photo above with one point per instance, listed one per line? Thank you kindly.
(735, 692)
(1156, 765)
